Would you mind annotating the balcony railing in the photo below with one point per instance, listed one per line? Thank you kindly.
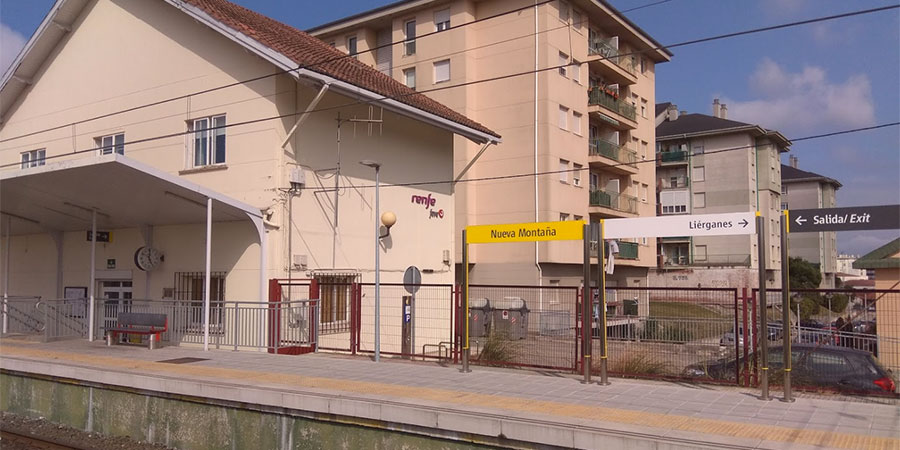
(611, 150)
(596, 96)
(674, 182)
(610, 53)
(628, 250)
(614, 200)
(723, 260)
(670, 157)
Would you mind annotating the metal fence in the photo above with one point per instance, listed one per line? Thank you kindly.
(50, 319)
(669, 332)
(525, 326)
(843, 340)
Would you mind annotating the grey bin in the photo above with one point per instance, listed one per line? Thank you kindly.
(509, 317)
(479, 317)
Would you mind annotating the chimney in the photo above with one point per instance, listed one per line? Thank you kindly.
(716, 108)
(792, 160)
(681, 113)
(723, 114)
(672, 113)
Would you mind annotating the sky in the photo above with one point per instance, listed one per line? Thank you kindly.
(802, 81)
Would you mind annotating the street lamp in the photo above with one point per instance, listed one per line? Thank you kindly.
(389, 219)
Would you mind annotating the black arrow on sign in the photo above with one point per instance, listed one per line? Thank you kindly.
(744, 223)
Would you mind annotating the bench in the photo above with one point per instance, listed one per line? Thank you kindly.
(138, 323)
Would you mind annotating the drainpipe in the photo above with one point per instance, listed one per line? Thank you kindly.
(6, 279)
(537, 254)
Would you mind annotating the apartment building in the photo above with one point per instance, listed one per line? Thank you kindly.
(801, 189)
(846, 271)
(241, 180)
(578, 109)
(709, 165)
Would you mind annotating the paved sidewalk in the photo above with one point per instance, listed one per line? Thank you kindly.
(540, 407)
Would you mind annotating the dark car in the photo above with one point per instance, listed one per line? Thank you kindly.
(840, 368)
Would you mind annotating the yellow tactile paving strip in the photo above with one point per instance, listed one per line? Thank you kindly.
(641, 418)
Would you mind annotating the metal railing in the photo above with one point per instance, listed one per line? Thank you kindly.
(614, 200)
(723, 260)
(672, 157)
(604, 49)
(597, 96)
(677, 182)
(611, 150)
(628, 250)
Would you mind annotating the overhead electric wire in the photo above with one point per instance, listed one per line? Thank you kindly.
(276, 73)
(644, 6)
(497, 78)
(556, 172)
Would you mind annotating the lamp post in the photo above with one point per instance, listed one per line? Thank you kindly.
(377, 166)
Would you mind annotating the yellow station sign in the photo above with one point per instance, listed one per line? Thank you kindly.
(526, 232)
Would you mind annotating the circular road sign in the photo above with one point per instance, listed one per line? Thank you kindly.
(412, 278)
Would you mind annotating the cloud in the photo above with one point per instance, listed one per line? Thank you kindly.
(804, 101)
(11, 42)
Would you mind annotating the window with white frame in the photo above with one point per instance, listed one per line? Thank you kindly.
(576, 174)
(784, 189)
(351, 46)
(409, 77)
(563, 11)
(563, 217)
(410, 44)
(644, 149)
(112, 143)
(576, 122)
(700, 200)
(575, 70)
(698, 173)
(644, 189)
(643, 108)
(442, 71)
(208, 141)
(673, 202)
(635, 188)
(442, 19)
(564, 171)
(698, 150)
(33, 158)
(563, 61)
(563, 117)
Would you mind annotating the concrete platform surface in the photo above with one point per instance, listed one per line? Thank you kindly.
(528, 406)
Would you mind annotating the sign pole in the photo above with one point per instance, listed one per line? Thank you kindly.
(786, 306)
(601, 286)
(586, 302)
(762, 334)
(465, 300)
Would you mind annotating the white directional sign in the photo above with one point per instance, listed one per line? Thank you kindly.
(683, 225)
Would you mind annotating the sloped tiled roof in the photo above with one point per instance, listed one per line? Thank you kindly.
(696, 123)
(662, 107)
(314, 55)
(880, 258)
(789, 174)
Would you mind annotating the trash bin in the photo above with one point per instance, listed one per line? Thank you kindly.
(479, 317)
(509, 316)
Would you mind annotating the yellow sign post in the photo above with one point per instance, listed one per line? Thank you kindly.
(513, 232)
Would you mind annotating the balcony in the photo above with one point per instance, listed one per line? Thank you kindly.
(723, 260)
(614, 201)
(628, 250)
(677, 157)
(598, 96)
(617, 158)
(674, 182)
(604, 57)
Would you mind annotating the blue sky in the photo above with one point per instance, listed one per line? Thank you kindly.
(801, 81)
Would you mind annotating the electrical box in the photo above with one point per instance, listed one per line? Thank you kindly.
(297, 178)
(446, 256)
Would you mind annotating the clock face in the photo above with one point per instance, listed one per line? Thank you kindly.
(147, 258)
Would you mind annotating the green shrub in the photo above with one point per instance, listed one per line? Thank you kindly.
(655, 330)
(838, 302)
(635, 364)
(498, 349)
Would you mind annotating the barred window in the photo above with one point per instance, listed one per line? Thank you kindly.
(190, 287)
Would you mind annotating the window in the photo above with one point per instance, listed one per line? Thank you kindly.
(33, 158)
(410, 44)
(563, 217)
(700, 200)
(112, 143)
(699, 253)
(209, 141)
(698, 173)
(577, 218)
(191, 287)
(563, 117)
(577, 18)
(563, 11)
(576, 122)
(644, 108)
(576, 174)
(334, 302)
(409, 75)
(442, 19)
(563, 62)
(643, 65)
(784, 206)
(784, 189)
(351, 45)
(644, 189)
(563, 170)
(442, 71)
(698, 150)
(644, 149)
(575, 70)
(673, 202)
(594, 181)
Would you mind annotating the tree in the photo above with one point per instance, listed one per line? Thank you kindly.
(803, 275)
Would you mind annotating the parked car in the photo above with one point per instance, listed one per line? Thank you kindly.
(840, 368)
(775, 331)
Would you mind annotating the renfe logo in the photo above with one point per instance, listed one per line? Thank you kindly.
(428, 202)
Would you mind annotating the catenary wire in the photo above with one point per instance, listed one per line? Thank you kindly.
(644, 6)
(497, 78)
